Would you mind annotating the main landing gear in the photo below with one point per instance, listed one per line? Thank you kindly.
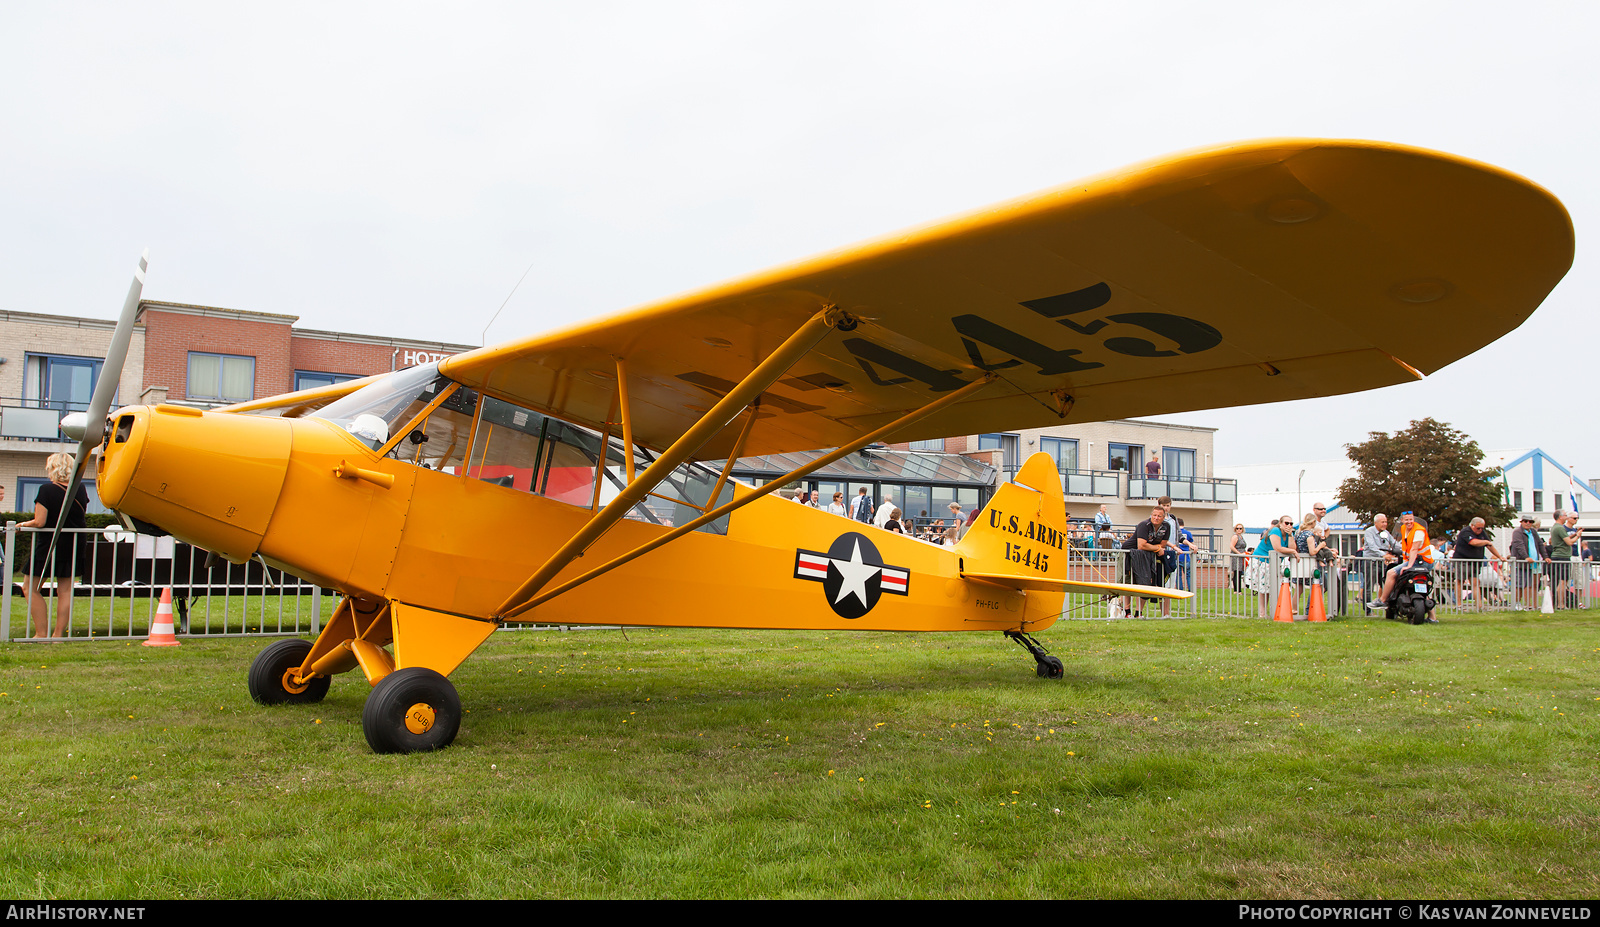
(275, 676)
(1049, 667)
(410, 709)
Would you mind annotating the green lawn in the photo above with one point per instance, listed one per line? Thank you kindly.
(1198, 758)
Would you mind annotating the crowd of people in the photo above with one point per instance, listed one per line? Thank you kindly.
(890, 517)
(1161, 549)
(1478, 573)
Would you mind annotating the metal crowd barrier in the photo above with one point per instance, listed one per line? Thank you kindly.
(1227, 585)
(120, 577)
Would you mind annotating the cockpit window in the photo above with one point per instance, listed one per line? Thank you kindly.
(374, 411)
(489, 439)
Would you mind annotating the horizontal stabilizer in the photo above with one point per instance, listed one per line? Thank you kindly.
(1014, 581)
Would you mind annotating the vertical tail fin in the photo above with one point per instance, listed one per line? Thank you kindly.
(1022, 532)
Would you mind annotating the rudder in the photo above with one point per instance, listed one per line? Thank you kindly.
(1022, 532)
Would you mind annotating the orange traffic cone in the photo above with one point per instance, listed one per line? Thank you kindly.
(1315, 611)
(1285, 609)
(161, 629)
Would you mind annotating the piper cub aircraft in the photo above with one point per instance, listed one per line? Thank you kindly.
(557, 478)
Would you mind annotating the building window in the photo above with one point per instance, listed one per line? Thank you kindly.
(221, 377)
(1064, 450)
(1177, 462)
(28, 493)
(1124, 456)
(1538, 501)
(60, 382)
(312, 379)
(936, 445)
(1005, 444)
(1516, 500)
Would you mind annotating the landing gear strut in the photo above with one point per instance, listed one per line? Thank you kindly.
(1049, 667)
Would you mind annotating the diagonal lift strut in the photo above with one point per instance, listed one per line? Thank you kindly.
(513, 607)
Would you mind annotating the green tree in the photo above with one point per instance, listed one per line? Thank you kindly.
(1430, 469)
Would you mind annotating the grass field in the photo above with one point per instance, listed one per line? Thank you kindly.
(1177, 759)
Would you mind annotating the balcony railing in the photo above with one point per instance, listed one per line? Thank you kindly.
(1183, 489)
(1081, 482)
(35, 419)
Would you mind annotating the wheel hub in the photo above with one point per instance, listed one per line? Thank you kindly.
(290, 685)
(419, 718)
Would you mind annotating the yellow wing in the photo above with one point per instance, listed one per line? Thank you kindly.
(1251, 272)
(301, 402)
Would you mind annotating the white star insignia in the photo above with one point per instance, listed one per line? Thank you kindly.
(855, 573)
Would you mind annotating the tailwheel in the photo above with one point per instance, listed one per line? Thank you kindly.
(411, 710)
(1048, 667)
(273, 675)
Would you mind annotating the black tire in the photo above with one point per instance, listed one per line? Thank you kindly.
(269, 684)
(392, 725)
(1419, 611)
(1051, 668)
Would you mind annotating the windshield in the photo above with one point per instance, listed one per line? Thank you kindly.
(374, 411)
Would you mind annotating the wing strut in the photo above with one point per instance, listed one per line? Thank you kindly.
(720, 415)
(512, 609)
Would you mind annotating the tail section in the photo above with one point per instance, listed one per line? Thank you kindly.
(1019, 540)
(1021, 535)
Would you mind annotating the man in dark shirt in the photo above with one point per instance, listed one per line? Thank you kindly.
(1472, 544)
(1145, 552)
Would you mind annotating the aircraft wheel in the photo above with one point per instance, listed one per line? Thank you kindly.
(271, 681)
(1051, 668)
(411, 710)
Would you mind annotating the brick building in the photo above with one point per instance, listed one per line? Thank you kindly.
(194, 355)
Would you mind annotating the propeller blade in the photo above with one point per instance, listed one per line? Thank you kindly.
(94, 425)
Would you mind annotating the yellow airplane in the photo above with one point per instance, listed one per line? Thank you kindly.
(556, 478)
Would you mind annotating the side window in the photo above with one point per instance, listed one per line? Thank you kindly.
(530, 452)
(507, 446)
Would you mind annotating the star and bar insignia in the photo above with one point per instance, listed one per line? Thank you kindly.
(852, 573)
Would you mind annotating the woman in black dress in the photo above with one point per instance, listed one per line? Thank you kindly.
(64, 566)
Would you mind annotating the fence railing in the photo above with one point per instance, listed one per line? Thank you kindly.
(115, 579)
(120, 577)
(1241, 586)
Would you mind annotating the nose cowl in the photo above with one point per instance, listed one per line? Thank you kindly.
(209, 478)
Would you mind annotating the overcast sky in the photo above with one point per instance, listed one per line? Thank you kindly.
(393, 169)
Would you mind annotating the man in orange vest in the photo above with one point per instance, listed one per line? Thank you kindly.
(1414, 540)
